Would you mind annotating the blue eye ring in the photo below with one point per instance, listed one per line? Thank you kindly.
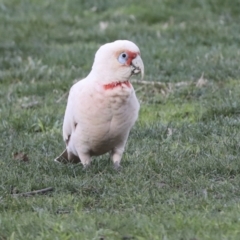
(123, 57)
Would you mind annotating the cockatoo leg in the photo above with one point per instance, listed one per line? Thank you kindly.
(116, 156)
(85, 159)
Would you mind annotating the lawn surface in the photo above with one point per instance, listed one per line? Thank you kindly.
(180, 176)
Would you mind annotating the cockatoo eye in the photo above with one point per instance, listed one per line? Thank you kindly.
(123, 57)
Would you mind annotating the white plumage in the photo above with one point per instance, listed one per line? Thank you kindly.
(102, 108)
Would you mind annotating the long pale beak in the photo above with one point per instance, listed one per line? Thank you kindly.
(137, 66)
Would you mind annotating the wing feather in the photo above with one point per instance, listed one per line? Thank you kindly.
(69, 122)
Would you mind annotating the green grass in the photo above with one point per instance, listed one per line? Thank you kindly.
(181, 168)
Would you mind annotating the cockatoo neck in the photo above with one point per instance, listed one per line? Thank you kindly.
(116, 84)
(105, 77)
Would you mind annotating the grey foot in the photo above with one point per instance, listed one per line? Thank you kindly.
(117, 167)
(86, 166)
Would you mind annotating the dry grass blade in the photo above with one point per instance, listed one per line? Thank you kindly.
(148, 82)
(63, 211)
(30, 105)
(62, 97)
(161, 84)
(28, 194)
(201, 81)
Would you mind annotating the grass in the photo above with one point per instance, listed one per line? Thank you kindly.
(180, 177)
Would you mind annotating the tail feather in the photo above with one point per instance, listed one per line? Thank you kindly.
(65, 158)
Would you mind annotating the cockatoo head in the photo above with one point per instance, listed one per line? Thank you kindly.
(118, 61)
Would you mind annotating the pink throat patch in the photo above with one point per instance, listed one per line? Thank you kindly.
(116, 84)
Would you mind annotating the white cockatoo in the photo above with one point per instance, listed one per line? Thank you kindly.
(102, 108)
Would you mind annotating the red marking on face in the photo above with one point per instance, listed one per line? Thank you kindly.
(131, 56)
(116, 84)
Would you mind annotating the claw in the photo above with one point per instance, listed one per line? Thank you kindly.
(117, 167)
